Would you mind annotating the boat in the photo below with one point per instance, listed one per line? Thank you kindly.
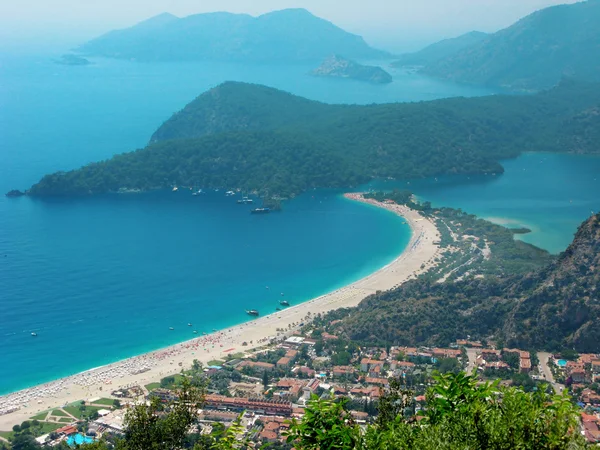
(34, 334)
(189, 324)
(195, 332)
(245, 201)
(171, 328)
(252, 312)
(277, 309)
(260, 211)
(175, 188)
(284, 303)
(229, 194)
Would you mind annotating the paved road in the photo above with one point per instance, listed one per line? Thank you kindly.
(472, 354)
(547, 373)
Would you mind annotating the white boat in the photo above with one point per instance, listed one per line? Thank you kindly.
(229, 193)
(189, 324)
(171, 328)
(175, 188)
(34, 334)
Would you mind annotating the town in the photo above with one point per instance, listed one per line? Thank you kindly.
(264, 389)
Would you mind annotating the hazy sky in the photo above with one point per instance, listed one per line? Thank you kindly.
(389, 23)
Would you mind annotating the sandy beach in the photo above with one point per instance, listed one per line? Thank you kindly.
(421, 251)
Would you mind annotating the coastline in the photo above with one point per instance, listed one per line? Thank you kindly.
(421, 251)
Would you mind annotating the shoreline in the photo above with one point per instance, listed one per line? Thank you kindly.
(146, 368)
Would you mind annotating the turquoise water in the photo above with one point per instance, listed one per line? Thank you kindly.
(561, 362)
(78, 439)
(104, 278)
(551, 194)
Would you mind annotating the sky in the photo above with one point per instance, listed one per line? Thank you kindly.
(390, 24)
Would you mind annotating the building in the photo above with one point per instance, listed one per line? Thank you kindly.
(405, 366)
(367, 364)
(257, 365)
(283, 362)
(446, 353)
(310, 388)
(256, 405)
(576, 371)
(490, 354)
(343, 371)
(165, 395)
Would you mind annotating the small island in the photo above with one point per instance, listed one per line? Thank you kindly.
(73, 60)
(337, 67)
(15, 193)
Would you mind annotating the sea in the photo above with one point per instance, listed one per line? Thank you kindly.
(104, 278)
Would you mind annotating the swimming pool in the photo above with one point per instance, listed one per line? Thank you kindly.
(79, 439)
(561, 363)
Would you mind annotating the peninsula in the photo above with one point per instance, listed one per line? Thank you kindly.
(259, 139)
(338, 67)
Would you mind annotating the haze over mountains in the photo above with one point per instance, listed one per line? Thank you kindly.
(535, 53)
(286, 35)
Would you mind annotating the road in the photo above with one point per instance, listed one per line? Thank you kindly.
(472, 354)
(547, 373)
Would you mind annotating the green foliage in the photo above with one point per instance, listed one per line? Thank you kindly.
(460, 414)
(260, 139)
(326, 425)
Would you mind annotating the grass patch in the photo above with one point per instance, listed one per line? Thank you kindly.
(78, 414)
(59, 413)
(7, 434)
(152, 386)
(105, 402)
(65, 420)
(215, 362)
(40, 416)
(47, 427)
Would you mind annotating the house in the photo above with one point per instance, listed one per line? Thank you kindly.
(490, 354)
(591, 431)
(256, 405)
(525, 365)
(165, 395)
(366, 364)
(446, 353)
(343, 371)
(496, 365)
(291, 354)
(376, 381)
(328, 337)
(283, 362)
(589, 397)
(310, 388)
(576, 371)
(404, 366)
(257, 365)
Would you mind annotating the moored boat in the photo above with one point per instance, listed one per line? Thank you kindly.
(252, 312)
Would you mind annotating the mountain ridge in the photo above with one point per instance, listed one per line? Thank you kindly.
(285, 35)
(533, 54)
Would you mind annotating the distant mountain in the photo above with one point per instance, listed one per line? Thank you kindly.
(534, 53)
(552, 308)
(287, 35)
(440, 50)
(260, 139)
(338, 67)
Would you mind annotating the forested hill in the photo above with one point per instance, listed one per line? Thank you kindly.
(256, 138)
(554, 307)
(440, 50)
(534, 53)
(278, 36)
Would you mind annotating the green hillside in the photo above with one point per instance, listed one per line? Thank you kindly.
(260, 139)
(535, 53)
